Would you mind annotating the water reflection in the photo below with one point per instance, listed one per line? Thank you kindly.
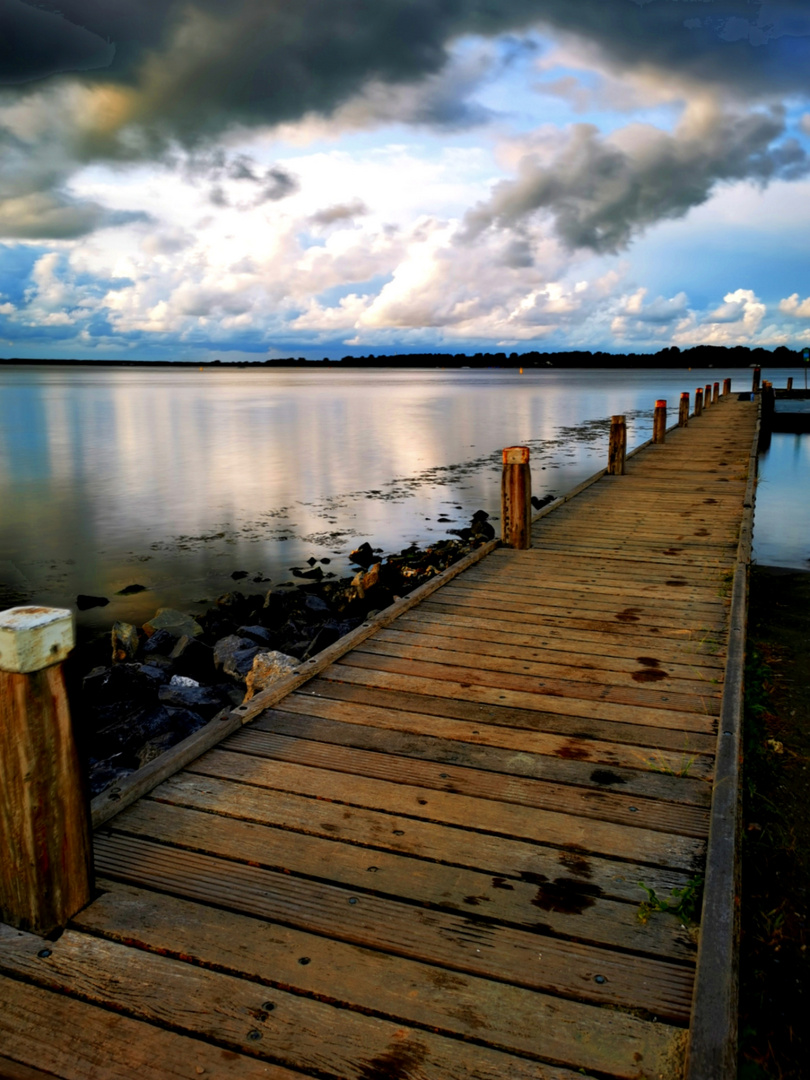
(782, 521)
(176, 478)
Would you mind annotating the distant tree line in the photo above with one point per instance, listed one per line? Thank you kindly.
(698, 356)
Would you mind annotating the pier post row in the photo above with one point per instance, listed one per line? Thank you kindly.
(660, 422)
(617, 446)
(46, 868)
(698, 401)
(516, 497)
(683, 410)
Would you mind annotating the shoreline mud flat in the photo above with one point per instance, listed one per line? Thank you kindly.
(135, 691)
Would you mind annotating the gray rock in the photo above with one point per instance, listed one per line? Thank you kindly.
(204, 700)
(160, 643)
(259, 635)
(194, 658)
(234, 655)
(175, 622)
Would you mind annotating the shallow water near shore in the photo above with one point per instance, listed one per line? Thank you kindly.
(174, 479)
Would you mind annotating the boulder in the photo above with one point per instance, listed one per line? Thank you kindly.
(365, 580)
(259, 635)
(193, 658)
(160, 643)
(234, 655)
(362, 556)
(175, 622)
(125, 642)
(268, 667)
(207, 701)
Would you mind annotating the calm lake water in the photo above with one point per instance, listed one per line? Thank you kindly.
(175, 478)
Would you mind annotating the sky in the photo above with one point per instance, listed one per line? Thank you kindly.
(255, 179)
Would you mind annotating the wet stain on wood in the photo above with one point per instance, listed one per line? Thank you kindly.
(649, 675)
(502, 883)
(399, 1063)
(606, 776)
(648, 661)
(629, 614)
(573, 751)
(575, 864)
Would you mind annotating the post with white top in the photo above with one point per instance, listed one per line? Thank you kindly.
(516, 498)
(45, 849)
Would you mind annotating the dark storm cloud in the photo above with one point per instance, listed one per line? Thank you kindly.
(195, 68)
(35, 43)
(599, 192)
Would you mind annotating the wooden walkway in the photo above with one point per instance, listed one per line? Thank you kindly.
(424, 863)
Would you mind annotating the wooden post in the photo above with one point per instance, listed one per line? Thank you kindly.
(715, 393)
(699, 401)
(45, 851)
(707, 397)
(516, 498)
(755, 380)
(790, 382)
(726, 387)
(683, 410)
(617, 447)
(660, 422)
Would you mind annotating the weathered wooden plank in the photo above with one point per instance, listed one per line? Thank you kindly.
(75, 1040)
(433, 629)
(505, 658)
(647, 612)
(474, 684)
(626, 622)
(376, 831)
(604, 802)
(579, 732)
(551, 637)
(302, 1033)
(486, 1013)
(565, 905)
(625, 841)
(521, 759)
(460, 943)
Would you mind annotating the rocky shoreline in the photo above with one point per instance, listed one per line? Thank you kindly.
(137, 691)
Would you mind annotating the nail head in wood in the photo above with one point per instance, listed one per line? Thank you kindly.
(33, 638)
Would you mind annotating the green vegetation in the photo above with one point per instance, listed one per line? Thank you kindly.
(684, 903)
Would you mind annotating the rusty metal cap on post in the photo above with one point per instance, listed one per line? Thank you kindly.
(33, 638)
(516, 455)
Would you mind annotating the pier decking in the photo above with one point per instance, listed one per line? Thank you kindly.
(424, 862)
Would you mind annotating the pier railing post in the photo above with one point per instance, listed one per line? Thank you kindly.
(45, 851)
(755, 380)
(726, 387)
(683, 410)
(790, 382)
(617, 446)
(707, 397)
(699, 401)
(660, 422)
(516, 497)
(715, 393)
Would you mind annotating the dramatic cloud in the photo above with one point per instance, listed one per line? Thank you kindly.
(599, 190)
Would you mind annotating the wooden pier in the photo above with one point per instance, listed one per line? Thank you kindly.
(425, 861)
